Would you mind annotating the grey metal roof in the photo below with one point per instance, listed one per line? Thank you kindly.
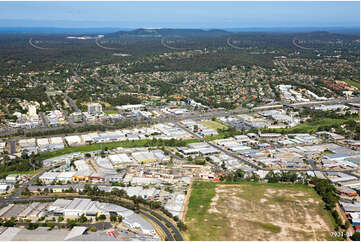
(137, 220)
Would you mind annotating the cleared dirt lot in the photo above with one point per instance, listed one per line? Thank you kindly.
(255, 211)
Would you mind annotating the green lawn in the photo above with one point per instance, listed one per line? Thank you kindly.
(110, 112)
(353, 83)
(214, 137)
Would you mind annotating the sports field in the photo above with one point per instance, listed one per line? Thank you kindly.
(256, 211)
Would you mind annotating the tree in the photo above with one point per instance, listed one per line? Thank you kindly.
(356, 236)
(32, 226)
(240, 173)
(93, 229)
(120, 218)
(181, 226)
(60, 219)
(9, 223)
(113, 218)
(70, 223)
(82, 219)
(102, 217)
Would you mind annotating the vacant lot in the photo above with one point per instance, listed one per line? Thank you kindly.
(256, 211)
(213, 124)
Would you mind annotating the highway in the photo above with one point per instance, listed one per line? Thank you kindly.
(37, 47)
(162, 42)
(162, 226)
(103, 47)
(232, 45)
(179, 236)
(299, 46)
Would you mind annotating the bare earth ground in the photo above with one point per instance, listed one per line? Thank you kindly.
(261, 212)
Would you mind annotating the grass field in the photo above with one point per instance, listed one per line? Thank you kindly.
(110, 112)
(353, 83)
(213, 124)
(256, 211)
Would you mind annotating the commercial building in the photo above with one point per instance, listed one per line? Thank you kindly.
(175, 205)
(144, 156)
(4, 188)
(80, 206)
(49, 177)
(73, 140)
(95, 108)
(12, 178)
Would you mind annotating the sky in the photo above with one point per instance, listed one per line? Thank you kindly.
(179, 14)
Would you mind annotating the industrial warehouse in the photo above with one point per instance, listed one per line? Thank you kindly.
(75, 208)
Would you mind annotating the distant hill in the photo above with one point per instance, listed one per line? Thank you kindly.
(170, 33)
(50, 30)
(326, 36)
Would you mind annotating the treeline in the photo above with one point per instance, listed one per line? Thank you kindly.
(238, 175)
(319, 114)
(122, 100)
(205, 63)
(327, 191)
(11, 93)
(271, 177)
(19, 164)
(288, 176)
(231, 131)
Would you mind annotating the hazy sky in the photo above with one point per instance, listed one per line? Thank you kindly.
(179, 14)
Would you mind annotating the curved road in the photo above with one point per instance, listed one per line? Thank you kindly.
(163, 227)
(104, 47)
(179, 236)
(299, 46)
(232, 45)
(37, 47)
(168, 46)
